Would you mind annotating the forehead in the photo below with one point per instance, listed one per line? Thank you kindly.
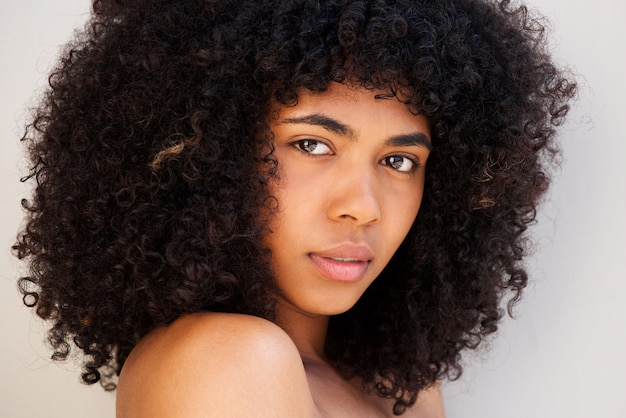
(355, 105)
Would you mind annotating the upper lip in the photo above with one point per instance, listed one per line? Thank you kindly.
(350, 251)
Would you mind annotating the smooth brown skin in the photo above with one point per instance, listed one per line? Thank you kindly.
(343, 192)
(230, 365)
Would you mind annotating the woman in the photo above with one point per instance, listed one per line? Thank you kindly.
(234, 210)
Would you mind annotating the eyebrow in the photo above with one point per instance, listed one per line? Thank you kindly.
(403, 140)
(407, 140)
(325, 122)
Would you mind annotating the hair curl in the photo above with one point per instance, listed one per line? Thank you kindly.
(151, 157)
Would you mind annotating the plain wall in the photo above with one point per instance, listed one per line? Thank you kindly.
(564, 355)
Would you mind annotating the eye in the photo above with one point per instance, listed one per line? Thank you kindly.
(312, 146)
(400, 163)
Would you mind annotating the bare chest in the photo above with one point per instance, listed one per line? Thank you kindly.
(335, 397)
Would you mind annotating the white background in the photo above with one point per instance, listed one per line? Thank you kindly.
(564, 355)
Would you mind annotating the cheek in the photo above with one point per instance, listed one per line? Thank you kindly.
(300, 190)
(294, 202)
(401, 213)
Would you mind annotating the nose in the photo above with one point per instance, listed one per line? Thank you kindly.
(354, 198)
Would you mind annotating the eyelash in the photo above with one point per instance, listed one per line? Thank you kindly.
(301, 144)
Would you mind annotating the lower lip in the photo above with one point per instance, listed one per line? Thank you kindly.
(341, 271)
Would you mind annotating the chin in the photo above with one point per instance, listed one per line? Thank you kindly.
(319, 306)
(330, 308)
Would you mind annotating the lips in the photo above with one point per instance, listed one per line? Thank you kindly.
(344, 263)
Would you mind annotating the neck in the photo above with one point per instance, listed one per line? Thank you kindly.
(307, 331)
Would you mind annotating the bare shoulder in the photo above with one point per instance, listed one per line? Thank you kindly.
(215, 365)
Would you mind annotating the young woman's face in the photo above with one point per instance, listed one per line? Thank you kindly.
(351, 177)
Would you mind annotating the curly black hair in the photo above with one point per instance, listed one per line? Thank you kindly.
(152, 155)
